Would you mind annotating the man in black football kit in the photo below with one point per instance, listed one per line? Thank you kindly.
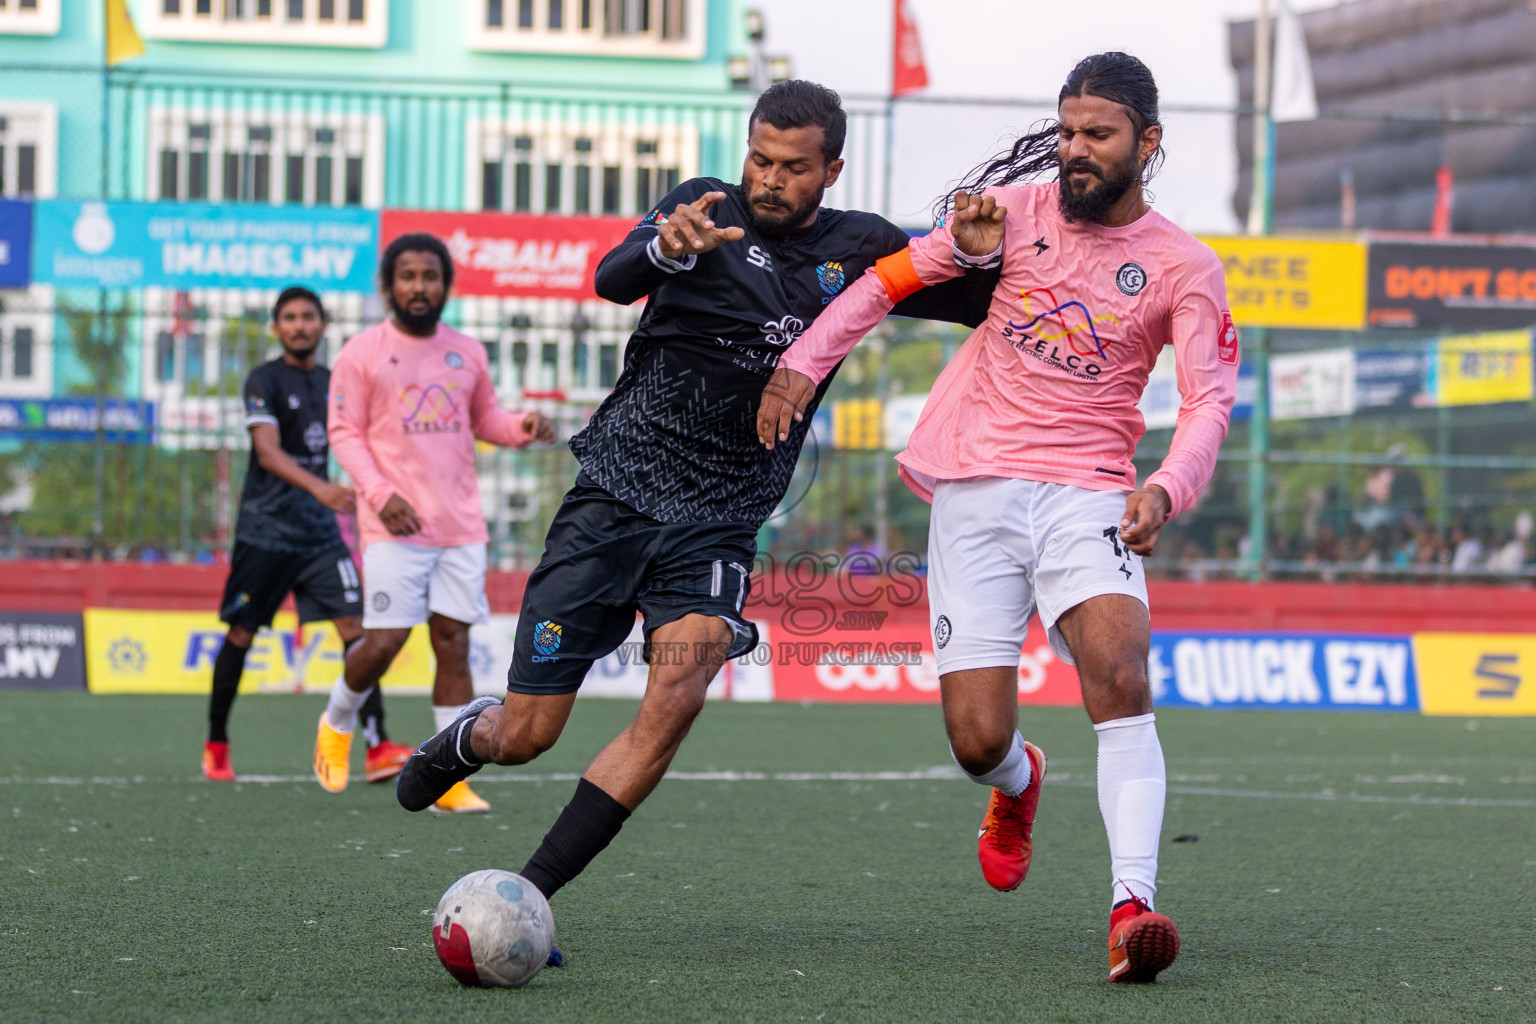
(286, 537)
(673, 484)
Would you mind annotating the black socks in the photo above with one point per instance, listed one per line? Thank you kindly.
(228, 665)
(584, 829)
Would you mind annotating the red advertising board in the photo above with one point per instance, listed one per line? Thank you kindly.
(896, 666)
(516, 254)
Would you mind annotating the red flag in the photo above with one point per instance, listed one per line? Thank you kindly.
(1445, 199)
(908, 74)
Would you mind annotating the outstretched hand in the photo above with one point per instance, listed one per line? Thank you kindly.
(978, 224)
(783, 404)
(689, 230)
(538, 428)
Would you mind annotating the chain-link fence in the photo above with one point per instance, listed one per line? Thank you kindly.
(152, 466)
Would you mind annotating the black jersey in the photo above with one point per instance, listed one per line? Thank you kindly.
(677, 438)
(274, 514)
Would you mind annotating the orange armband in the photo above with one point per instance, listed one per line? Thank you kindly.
(898, 275)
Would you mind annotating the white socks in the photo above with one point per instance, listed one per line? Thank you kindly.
(444, 714)
(341, 712)
(1132, 787)
(1012, 776)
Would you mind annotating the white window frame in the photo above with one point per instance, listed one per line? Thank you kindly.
(613, 144)
(292, 134)
(35, 122)
(572, 39)
(218, 308)
(235, 21)
(27, 308)
(43, 20)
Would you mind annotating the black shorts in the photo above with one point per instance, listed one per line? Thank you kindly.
(325, 585)
(604, 561)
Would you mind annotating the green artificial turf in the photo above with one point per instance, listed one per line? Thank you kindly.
(1348, 868)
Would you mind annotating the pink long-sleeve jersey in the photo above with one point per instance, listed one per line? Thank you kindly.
(1047, 387)
(404, 416)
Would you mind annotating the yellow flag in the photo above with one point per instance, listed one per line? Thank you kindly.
(122, 38)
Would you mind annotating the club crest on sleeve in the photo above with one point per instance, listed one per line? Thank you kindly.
(1226, 343)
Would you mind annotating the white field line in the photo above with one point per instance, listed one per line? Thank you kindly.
(940, 774)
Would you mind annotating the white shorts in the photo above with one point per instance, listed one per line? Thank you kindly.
(998, 549)
(404, 583)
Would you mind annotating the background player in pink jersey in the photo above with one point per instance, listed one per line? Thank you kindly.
(1024, 449)
(408, 399)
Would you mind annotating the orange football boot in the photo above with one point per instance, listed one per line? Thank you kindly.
(1004, 846)
(1141, 942)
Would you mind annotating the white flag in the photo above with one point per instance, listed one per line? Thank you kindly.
(1294, 98)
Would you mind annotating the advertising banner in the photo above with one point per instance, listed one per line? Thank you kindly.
(204, 245)
(516, 254)
(76, 419)
(42, 651)
(1477, 674)
(1480, 369)
(1333, 672)
(1396, 378)
(1305, 385)
(132, 651)
(15, 243)
(1422, 284)
(895, 664)
(1293, 282)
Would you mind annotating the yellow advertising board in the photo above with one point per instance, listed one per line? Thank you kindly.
(1480, 369)
(130, 651)
(856, 423)
(1476, 673)
(1293, 282)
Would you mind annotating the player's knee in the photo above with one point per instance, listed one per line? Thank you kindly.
(978, 752)
(1124, 683)
(522, 743)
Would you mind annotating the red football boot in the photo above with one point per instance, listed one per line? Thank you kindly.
(1141, 942)
(384, 760)
(216, 762)
(1004, 845)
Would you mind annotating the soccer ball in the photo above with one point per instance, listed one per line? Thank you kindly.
(493, 929)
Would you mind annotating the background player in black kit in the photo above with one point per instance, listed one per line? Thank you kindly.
(286, 537)
(673, 484)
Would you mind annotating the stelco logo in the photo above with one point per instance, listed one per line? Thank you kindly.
(430, 409)
(1073, 347)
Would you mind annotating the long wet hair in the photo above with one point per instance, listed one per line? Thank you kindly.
(1114, 76)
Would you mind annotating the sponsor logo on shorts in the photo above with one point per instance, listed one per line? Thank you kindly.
(546, 640)
(1131, 279)
(242, 599)
(454, 360)
(942, 631)
(381, 602)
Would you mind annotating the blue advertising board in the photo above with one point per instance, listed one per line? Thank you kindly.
(1285, 671)
(202, 245)
(75, 419)
(1392, 378)
(15, 243)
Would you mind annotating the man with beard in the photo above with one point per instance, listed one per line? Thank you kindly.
(1025, 448)
(409, 399)
(673, 487)
(286, 537)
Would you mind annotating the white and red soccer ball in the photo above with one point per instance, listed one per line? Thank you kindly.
(493, 929)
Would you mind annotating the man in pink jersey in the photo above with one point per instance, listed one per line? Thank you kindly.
(1024, 449)
(408, 399)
